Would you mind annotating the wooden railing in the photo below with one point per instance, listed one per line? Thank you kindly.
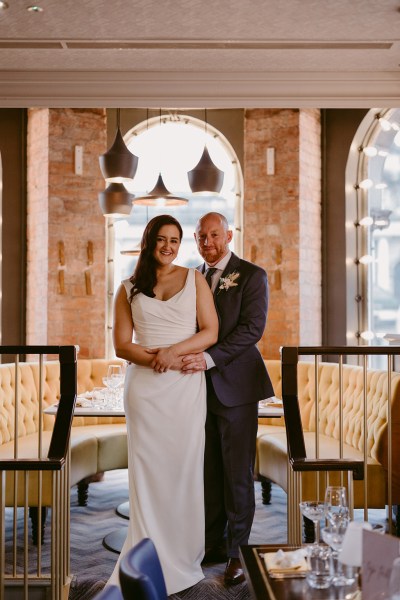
(290, 357)
(21, 566)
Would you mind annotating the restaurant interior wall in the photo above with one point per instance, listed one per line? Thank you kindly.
(266, 202)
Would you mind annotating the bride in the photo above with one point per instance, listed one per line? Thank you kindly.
(169, 311)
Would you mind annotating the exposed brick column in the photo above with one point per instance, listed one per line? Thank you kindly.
(37, 226)
(64, 222)
(282, 221)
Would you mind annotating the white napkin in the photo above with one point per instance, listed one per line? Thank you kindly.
(286, 562)
(86, 399)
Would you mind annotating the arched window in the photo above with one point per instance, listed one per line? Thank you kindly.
(172, 145)
(373, 229)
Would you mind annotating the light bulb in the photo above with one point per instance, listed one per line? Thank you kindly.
(366, 259)
(365, 184)
(366, 221)
(367, 335)
(370, 151)
(385, 124)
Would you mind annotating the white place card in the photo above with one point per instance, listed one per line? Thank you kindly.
(379, 552)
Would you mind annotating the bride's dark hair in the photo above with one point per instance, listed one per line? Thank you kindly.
(144, 277)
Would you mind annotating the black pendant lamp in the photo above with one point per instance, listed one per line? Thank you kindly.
(134, 252)
(160, 196)
(116, 201)
(118, 163)
(205, 178)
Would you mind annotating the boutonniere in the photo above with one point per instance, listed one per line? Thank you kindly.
(225, 283)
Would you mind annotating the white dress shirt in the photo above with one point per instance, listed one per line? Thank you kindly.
(220, 267)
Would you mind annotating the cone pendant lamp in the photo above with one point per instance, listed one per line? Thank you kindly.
(205, 178)
(116, 201)
(134, 252)
(118, 163)
(160, 196)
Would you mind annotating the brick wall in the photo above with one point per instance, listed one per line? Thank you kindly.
(66, 235)
(310, 266)
(282, 221)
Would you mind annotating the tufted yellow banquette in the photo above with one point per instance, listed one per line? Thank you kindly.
(97, 444)
(271, 443)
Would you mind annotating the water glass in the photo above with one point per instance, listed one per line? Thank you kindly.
(319, 558)
(98, 398)
(334, 536)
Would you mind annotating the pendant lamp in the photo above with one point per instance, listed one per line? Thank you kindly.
(118, 163)
(160, 196)
(115, 200)
(205, 178)
(134, 252)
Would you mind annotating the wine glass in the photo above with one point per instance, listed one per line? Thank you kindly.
(313, 510)
(336, 503)
(333, 535)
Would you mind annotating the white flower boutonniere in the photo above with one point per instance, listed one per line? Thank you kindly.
(225, 283)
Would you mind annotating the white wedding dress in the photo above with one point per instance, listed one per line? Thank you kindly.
(165, 417)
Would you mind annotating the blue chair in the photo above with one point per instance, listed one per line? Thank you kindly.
(110, 592)
(140, 573)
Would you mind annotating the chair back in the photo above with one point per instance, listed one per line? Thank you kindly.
(110, 592)
(291, 408)
(140, 573)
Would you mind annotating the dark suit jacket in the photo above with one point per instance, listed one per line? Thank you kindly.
(239, 376)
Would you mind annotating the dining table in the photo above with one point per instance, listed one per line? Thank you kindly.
(263, 586)
(269, 408)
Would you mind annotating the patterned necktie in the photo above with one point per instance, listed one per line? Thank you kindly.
(209, 274)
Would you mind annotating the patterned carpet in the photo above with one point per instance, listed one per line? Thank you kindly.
(92, 564)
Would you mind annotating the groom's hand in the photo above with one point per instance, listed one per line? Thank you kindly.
(174, 364)
(193, 363)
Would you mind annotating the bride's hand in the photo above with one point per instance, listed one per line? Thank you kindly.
(164, 359)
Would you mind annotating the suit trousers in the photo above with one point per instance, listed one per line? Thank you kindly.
(230, 449)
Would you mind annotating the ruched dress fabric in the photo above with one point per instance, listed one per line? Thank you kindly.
(165, 417)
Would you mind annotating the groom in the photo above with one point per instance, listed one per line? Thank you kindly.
(236, 380)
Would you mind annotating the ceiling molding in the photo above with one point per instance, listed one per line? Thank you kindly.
(171, 89)
(192, 44)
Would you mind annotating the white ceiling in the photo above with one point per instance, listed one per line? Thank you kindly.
(188, 53)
